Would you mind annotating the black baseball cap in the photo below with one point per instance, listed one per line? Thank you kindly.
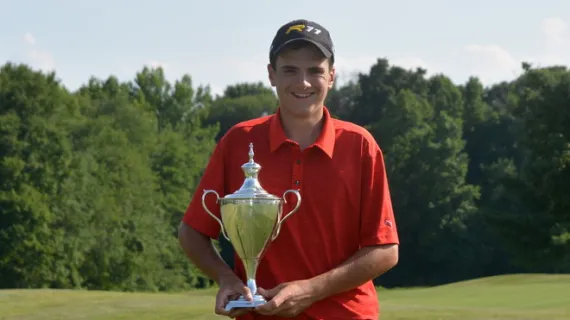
(302, 30)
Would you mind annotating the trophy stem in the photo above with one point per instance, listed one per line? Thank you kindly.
(252, 285)
(250, 273)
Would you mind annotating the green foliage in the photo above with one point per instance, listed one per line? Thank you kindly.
(93, 183)
(35, 157)
(241, 102)
(93, 188)
(539, 212)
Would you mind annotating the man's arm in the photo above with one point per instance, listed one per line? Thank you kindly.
(200, 250)
(367, 263)
(290, 299)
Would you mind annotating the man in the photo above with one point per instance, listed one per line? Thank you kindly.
(344, 234)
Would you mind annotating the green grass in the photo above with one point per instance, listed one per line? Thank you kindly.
(504, 297)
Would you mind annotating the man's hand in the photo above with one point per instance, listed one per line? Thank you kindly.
(291, 298)
(231, 288)
(287, 299)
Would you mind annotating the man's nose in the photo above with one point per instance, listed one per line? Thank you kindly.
(303, 79)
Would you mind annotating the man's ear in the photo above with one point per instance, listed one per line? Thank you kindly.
(271, 74)
(332, 77)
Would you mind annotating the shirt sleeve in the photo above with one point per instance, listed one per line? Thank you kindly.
(378, 224)
(196, 216)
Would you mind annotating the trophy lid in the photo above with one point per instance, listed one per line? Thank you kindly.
(251, 188)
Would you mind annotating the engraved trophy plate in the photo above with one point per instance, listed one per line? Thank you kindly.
(251, 219)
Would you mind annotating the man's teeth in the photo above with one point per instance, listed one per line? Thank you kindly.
(302, 95)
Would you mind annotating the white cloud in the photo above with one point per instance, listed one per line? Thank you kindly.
(491, 55)
(491, 63)
(556, 34)
(556, 31)
(158, 64)
(37, 57)
(29, 39)
(41, 59)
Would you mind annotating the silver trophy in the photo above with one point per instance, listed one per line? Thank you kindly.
(251, 219)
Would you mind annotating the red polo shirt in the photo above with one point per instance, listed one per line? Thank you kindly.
(345, 204)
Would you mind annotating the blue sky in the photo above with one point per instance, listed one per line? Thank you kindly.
(225, 42)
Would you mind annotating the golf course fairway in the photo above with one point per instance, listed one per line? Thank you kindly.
(502, 297)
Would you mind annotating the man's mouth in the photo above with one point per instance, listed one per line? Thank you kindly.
(302, 95)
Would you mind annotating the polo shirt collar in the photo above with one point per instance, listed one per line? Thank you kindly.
(325, 141)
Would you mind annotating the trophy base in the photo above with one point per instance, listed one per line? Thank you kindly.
(244, 303)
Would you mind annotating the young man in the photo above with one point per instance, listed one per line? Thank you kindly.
(344, 234)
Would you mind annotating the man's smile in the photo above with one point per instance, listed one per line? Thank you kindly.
(302, 95)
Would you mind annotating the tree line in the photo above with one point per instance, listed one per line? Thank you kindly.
(93, 183)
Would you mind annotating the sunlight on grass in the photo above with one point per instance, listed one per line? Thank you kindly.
(504, 297)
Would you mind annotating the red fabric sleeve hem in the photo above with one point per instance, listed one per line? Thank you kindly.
(390, 239)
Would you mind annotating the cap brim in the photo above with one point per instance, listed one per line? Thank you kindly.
(326, 52)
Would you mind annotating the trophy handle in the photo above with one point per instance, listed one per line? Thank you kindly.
(206, 192)
(278, 229)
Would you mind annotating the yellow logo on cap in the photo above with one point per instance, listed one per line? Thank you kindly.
(297, 27)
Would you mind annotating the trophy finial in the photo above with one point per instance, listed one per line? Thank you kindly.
(251, 169)
(251, 154)
(251, 189)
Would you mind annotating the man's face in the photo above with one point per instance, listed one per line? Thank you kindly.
(302, 78)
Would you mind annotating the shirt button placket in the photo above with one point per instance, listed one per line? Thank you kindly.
(297, 170)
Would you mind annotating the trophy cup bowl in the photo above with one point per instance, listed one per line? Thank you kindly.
(251, 219)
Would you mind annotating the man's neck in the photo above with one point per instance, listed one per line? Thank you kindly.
(304, 131)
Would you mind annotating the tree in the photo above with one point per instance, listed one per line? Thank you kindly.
(35, 153)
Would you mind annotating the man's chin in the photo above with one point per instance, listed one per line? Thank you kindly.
(302, 110)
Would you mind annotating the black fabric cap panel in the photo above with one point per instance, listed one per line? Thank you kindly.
(306, 30)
